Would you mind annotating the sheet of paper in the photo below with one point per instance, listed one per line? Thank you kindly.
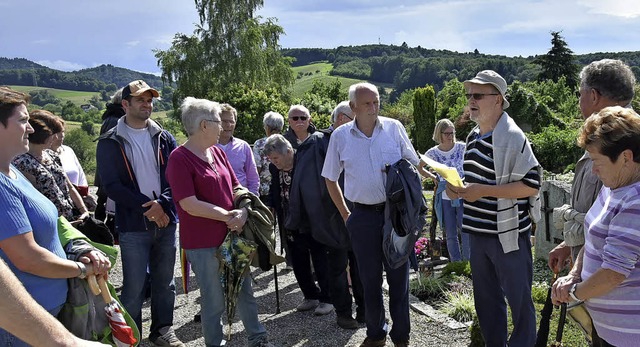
(450, 174)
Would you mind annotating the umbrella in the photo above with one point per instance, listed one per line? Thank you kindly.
(235, 255)
(543, 332)
(185, 268)
(121, 333)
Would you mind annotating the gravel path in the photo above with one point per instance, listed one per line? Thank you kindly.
(289, 327)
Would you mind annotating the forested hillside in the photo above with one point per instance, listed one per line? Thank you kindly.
(19, 71)
(406, 68)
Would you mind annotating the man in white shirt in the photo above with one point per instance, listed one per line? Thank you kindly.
(362, 149)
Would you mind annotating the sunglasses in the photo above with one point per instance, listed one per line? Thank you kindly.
(297, 118)
(346, 115)
(478, 96)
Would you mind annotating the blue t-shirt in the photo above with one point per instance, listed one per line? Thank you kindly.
(23, 209)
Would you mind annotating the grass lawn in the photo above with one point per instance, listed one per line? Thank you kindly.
(76, 97)
(305, 75)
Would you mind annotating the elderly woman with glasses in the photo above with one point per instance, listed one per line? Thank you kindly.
(448, 211)
(606, 274)
(202, 182)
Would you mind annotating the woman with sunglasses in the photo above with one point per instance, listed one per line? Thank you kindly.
(449, 211)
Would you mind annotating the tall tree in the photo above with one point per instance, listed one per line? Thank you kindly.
(424, 116)
(230, 46)
(558, 62)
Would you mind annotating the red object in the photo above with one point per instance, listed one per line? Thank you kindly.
(121, 332)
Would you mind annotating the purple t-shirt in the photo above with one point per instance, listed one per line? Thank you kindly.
(188, 175)
(241, 158)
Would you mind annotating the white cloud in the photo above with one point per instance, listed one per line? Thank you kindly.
(62, 65)
(616, 8)
(132, 43)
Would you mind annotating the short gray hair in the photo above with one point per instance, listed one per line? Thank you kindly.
(612, 78)
(116, 98)
(273, 120)
(194, 111)
(278, 144)
(342, 107)
(299, 108)
(362, 85)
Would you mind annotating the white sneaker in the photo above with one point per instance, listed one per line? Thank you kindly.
(307, 305)
(167, 339)
(323, 308)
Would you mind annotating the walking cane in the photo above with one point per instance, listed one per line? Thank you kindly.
(275, 276)
(561, 321)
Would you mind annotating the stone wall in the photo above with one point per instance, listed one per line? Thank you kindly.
(552, 194)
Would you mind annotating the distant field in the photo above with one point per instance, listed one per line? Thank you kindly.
(76, 97)
(316, 71)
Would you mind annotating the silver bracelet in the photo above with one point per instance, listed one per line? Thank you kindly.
(83, 270)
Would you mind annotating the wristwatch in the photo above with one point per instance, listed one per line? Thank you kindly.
(572, 292)
(83, 270)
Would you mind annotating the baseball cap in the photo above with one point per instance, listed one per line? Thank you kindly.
(493, 78)
(137, 88)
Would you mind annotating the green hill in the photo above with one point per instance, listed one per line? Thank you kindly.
(306, 74)
(77, 97)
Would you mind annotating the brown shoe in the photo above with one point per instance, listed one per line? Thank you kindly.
(369, 342)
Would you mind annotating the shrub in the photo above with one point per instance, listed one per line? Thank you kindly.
(459, 306)
(429, 287)
(539, 292)
(556, 148)
(457, 267)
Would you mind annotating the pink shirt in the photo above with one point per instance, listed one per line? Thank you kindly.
(188, 175)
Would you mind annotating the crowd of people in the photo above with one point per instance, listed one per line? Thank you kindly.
(328, 190)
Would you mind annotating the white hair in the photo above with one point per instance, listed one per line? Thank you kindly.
(358, 86)
(343, 108)
(273, 120)
(195, 111)
(298, 108)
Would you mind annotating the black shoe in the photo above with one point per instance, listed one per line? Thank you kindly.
(347, 322)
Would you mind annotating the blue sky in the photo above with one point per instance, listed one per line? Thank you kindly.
(75, 34)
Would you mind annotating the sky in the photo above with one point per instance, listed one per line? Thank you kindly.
(76, 34)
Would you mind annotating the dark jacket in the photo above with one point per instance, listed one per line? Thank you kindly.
(293, 139)
(405, 212)
(120, 183)
(310, 205)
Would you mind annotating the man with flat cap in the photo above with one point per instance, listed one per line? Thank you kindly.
(502, 180)
(132, 159)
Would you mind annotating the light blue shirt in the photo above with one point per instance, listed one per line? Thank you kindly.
(23, 209)
(364, 159)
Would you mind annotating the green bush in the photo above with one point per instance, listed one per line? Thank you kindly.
(556, 148)
(459, 306)
(457, 268)
(428, 287)
(85, 149)
(539, 292)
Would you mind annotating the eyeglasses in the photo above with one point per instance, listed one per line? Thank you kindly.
(297, 118)
(212, 120)
(346, 115)
(448, 133)
(478, 96)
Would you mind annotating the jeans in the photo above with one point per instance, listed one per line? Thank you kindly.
(497, 275)
(303, 247)
(155, 250)
(452, 222)
(206, 266)
(9, 340)
(365, 227)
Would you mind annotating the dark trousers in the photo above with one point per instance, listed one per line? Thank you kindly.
(497, 275)
(365, 227)
(338, 259)
(302, 246)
